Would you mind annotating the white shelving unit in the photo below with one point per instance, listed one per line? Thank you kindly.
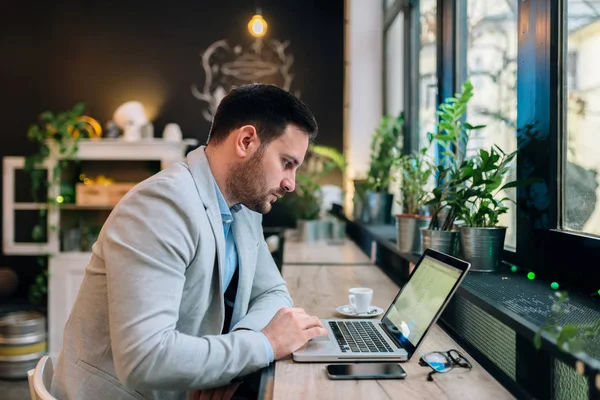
(66, 269)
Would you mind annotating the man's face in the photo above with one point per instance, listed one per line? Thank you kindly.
(270, 172)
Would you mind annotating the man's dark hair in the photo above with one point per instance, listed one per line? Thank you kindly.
(268, 108)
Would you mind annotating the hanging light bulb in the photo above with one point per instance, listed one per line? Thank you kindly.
(257, 25)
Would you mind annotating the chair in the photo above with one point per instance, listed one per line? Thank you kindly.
(275, 237)
(40, 379)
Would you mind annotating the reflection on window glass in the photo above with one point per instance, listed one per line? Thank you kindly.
(582, 110)
(489, 59)
(394, 62)
(394, 100)
(427, 69)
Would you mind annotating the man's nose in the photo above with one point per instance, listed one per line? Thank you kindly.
(288, 184)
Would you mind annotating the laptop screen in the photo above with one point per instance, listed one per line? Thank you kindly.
(420, 300)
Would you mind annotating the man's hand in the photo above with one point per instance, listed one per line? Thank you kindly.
(290, 329)
(220, 393)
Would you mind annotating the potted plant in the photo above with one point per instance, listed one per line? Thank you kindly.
(59, 134)
(448, 195)
(416, 171)
(481, 238)
(386, 145)
(360, 191)
(307, 198)
(467, 189)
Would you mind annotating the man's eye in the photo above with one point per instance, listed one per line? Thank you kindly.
(287, 164)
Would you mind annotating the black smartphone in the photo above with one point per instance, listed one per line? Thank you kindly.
(366, 371)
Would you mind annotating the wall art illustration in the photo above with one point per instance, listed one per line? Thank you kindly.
(227, 66)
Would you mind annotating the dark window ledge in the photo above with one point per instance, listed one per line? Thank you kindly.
(514, 300)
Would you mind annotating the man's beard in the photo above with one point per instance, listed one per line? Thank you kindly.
(246, 184)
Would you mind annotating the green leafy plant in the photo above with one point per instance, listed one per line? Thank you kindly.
(360, 188)
(468, 188)
(38, 290)
(306, 201)
(59, 134)
(452, 136)
(569, 337)
(416, 170)
(483, 178)
(333, 157)
(386, 146)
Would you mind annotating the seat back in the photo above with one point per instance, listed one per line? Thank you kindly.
(40, 380)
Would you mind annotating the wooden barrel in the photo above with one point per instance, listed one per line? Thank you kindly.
(22, 342)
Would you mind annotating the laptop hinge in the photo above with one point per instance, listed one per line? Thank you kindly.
(392, 337)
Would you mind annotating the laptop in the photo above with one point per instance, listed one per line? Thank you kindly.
(404, 325)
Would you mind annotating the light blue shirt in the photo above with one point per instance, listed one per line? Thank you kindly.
(231, 256)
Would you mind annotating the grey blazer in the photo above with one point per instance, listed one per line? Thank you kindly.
(148, 318)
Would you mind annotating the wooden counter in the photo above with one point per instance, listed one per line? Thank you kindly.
(319, 289)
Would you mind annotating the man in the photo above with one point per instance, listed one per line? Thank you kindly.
(181, 292)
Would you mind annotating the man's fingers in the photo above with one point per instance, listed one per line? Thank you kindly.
(314, 332)
(230, 391)
(195, 395)
(220, 393)
(206, 394)
(307, 322)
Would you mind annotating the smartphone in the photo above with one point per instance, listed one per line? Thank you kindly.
(366, 371)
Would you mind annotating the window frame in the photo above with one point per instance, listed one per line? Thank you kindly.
(542, 244)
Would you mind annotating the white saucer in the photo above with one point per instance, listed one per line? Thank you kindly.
(348, 311)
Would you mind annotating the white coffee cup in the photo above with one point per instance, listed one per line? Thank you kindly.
(360, 299)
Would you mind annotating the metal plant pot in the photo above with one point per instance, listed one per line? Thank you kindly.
(358, 211)
(408, 232)
(378, 207)
(338, 232)
(309, 231)
(324, 229)
(483, 247)
(443, 241)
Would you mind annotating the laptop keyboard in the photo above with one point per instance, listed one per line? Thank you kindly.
(359, 337)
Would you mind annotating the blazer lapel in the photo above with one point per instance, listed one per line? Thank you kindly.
(246, 248)
(216, 225)
(200, 170)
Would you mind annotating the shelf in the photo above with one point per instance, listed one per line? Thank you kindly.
(119, 149)
(30, 206)
(43, 206)
(86, 207)
(74, 253)
(521, 304)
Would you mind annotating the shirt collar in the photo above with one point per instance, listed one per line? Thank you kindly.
(226, 212)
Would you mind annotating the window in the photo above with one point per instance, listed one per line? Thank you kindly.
(487, 46)
(581, 191)
(428, 84)
(388, 4)
(393, 84)
(394, 62)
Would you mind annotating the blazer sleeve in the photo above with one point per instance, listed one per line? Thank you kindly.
(147, 244)
(269, 290)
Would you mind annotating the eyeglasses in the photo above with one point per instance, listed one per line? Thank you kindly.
(443, 361)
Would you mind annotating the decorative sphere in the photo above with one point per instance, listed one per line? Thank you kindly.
(8, 282)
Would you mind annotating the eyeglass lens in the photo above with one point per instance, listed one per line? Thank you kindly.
(438, 361)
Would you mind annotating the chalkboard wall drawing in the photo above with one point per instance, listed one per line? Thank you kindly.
(227, 66)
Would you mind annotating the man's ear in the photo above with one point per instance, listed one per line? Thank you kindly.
(246, 141)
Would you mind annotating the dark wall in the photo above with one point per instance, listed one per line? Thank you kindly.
(105, 53)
